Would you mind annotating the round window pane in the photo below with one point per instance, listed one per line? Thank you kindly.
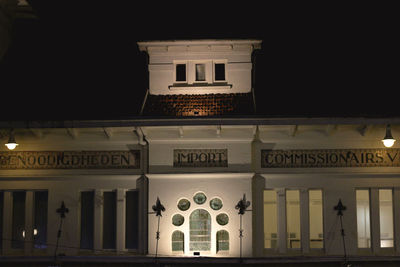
(216, 203)
(177, 220)
(222, 219)
(184, 204)
(200, 198)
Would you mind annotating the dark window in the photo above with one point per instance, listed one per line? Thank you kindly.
(18, 220)
(87, 219)
(109, 220)
(132, 220)
(1, 218)
(40, 226)
(180, 72)
(219, 69)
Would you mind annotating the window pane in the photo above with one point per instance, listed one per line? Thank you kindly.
(222, 240)
(386, 217)
(200, 72)
(178, 241)
(40, 223)
(219, 69)
(109, 220)
(363, 219)
(180, 72)
(18, 220)
(87, 219)
(132, 220)
(316, 219)
(270, 220)
(293, 218)
(200, 230)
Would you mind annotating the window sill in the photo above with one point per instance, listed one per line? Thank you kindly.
(207, 86)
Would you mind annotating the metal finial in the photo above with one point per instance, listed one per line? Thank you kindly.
(62, 210)
(158, 207)
(340, 208)
(242, 205)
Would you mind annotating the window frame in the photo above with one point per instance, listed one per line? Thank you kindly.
(309, 219)
(289, 239)
(209, 72)
(176, 241)
(218, 241)
(272, 239)
(195, 72)
(180, 62)
(392, 221)
(219, 61)
(115, 221)
(370, 221)
(137, 191)
(80, 217)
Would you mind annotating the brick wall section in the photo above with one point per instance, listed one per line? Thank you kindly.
(199, 105)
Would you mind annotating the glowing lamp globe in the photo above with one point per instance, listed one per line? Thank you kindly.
(11, 144)
(388, 140)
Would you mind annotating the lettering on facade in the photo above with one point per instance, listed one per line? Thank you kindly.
(330, 158)
(200, 158)
(70, 159)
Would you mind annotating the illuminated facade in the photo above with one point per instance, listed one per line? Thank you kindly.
(200, 161)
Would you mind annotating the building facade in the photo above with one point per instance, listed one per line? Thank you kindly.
(199, 159)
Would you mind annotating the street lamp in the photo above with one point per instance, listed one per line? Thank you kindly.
(388, 140)
(11, 144)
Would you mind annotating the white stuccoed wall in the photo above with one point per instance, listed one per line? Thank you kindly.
(163, 54)
(229, 187)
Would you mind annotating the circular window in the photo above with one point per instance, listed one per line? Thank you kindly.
(184, 204)
(216, 203)
(200, 198)
(177, 220)
(222, 219)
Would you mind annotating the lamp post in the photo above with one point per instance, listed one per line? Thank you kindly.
(11, 144)
(242, 206)
(340, 208)
(62, 211)
(158, 208)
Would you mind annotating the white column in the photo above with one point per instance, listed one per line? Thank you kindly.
(281, 206)
(143, 185)
(375, 223)
(7, 222)
(120, 238)
(258, 185)
(304, 221)
(98, 220)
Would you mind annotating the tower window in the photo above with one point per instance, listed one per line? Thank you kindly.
(180, 72)
(200, 72)
(219, 72)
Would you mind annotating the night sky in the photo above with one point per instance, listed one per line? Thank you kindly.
(81, 61)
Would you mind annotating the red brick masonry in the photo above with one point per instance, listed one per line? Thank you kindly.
(199, 105)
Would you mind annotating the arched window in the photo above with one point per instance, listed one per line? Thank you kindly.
(200, 230)
(222, 241)
(178, 241)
